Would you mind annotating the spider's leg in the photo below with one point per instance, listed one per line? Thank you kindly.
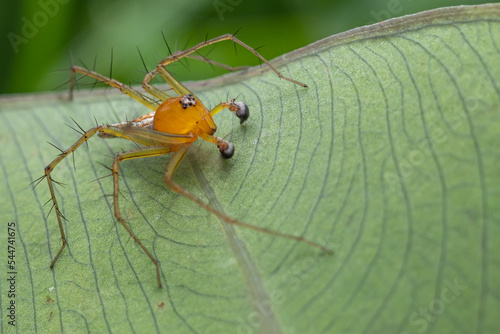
(165, 140)
(144, 152)
(48, 170)
(216, 63)
(172, 166)
(141, 98)
(181, 89)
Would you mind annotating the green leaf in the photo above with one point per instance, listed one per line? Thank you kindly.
(390, 158)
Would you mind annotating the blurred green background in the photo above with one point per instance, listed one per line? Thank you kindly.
(41, 37)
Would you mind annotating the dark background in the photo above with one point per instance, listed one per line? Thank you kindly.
(41, 37)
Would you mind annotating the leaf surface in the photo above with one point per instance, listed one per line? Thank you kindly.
(390, 158)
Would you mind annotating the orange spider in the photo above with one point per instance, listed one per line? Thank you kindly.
(172, 126)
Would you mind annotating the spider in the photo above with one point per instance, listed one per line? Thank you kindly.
(171, 127)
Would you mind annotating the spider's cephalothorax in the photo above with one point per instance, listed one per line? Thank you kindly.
(184, 115)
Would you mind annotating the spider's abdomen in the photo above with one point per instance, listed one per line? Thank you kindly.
(183, 115)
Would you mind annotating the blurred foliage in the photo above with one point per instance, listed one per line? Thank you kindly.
(42, 38)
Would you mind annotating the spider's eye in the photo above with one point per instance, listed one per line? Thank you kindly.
(187, 101)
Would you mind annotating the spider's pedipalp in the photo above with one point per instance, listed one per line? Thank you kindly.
(240, 109)
(227, 151)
